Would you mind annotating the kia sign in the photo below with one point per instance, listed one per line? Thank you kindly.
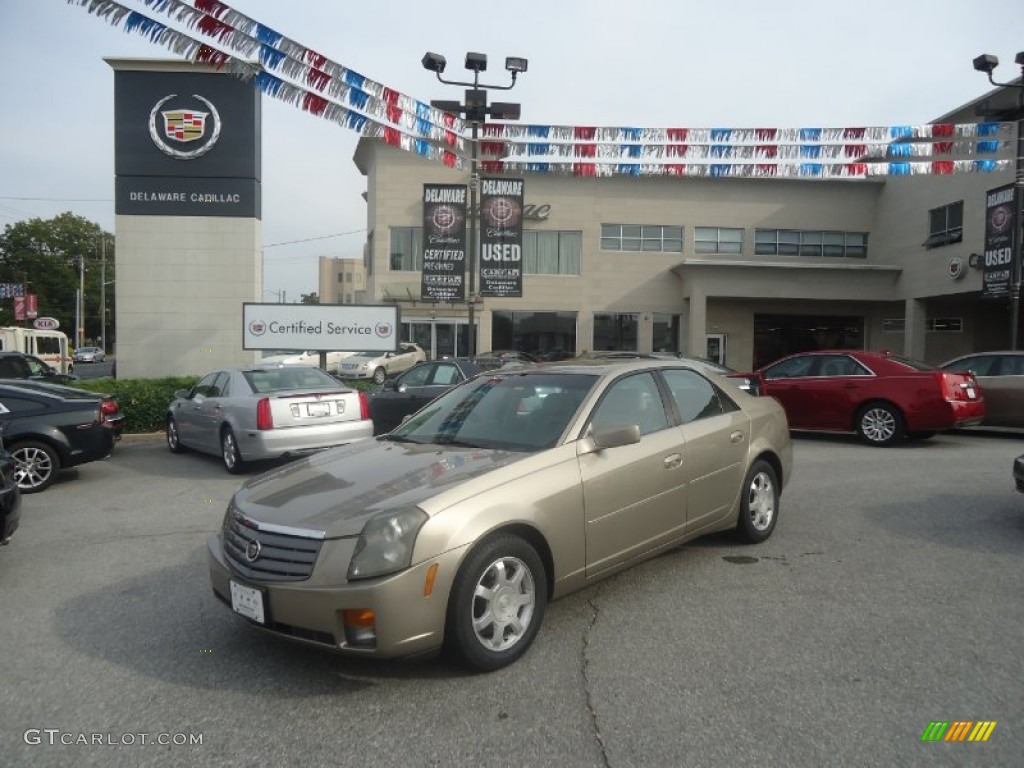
(320, 327)
(46, 323)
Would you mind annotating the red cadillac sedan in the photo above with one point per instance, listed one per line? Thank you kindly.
(883, 397)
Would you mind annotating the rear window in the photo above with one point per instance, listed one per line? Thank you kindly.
(917, 365)
(292, 377)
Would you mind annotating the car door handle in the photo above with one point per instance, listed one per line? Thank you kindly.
(735, 437)
(673, 460)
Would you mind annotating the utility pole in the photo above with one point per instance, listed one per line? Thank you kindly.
(81, 302)
(103, 294)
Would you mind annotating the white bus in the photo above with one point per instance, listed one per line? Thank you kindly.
(49, 346)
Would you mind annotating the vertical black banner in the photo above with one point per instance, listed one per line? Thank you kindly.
(501, 237)
(1001, 211)
(444, 242)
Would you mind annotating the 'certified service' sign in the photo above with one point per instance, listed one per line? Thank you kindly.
(320, 327)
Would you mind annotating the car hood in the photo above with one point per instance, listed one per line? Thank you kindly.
(337, 491)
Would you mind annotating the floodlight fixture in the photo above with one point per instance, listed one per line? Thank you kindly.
(434, 62)
(515, 64)
(444, 105)
(476, 62)
(503, 110)
(986, 63)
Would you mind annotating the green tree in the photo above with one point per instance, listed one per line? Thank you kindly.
(309, 298)
(46, 255)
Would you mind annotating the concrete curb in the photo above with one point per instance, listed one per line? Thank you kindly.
(141, 437)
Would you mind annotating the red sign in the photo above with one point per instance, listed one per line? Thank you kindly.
(19, 307)
(31, 306)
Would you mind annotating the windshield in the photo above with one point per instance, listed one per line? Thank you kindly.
(513, 412)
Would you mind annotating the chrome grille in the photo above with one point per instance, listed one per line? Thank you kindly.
(282, 557)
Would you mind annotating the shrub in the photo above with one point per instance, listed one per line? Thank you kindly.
(143, 401)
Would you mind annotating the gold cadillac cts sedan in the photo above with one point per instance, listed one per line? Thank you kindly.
(455, 530)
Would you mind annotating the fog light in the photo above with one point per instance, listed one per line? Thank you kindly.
(360, 628)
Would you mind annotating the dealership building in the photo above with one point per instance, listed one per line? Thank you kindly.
(741, 270)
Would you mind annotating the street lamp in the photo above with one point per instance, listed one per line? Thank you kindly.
(987, 63)
(475, 110)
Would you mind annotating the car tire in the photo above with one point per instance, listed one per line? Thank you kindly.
(759, 505)
(229, 452)
(496, 604)
(379, 375)
(37, 465)
(880, 424)
(173, 439)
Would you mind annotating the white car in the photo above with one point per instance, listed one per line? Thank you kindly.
(379, 365)
(311, 358)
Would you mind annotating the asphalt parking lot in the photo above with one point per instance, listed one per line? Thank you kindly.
(889, 597)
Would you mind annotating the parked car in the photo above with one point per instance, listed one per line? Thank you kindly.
(379, 365)
(1001, 376)
(89, 355)
(48, 427)
(265, 412)
(310, 358)
(499, 358)
(455, 529)
(10, 493)
(410, 391)
(114, 417)
(882, 397)
(19, 365)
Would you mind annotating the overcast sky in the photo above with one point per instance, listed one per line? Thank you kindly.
(642, 63)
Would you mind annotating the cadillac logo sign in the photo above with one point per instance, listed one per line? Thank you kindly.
(174, 131)
(252, 550)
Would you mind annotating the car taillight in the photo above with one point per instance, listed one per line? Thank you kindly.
(109, 406)
(101, 417)
(958, 387)
(264, 418)
(364, 406)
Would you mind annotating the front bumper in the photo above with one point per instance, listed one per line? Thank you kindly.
(355, 374)
(407, 622)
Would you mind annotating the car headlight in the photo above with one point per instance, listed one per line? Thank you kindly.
(385, 544)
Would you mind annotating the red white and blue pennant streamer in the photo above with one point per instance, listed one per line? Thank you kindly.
(377, 111)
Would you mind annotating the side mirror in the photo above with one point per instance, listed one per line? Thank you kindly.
(612, 436)
(181, 394)
(402, 388)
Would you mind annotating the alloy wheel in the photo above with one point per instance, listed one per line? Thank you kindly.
(503, 603)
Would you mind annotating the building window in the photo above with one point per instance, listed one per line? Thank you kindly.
(348, 277)
(406, 249)
(616, 332)
(718, 240)
(932, 325)
(636, 237)
(945, 225)
(665, 333)
(548, 335)
(552, 253)
(341, 277)
(814, 243)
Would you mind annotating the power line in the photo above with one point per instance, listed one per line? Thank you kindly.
(311, 239)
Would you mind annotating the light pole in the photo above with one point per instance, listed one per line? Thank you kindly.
(987, 63)
(475, 109)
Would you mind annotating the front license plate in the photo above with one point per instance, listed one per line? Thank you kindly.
(248, 602)
(318, 409)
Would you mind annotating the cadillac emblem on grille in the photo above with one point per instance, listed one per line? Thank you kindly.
(252, 551)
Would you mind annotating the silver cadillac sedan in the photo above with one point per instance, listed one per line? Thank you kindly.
(454, 531)
(266, 412)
